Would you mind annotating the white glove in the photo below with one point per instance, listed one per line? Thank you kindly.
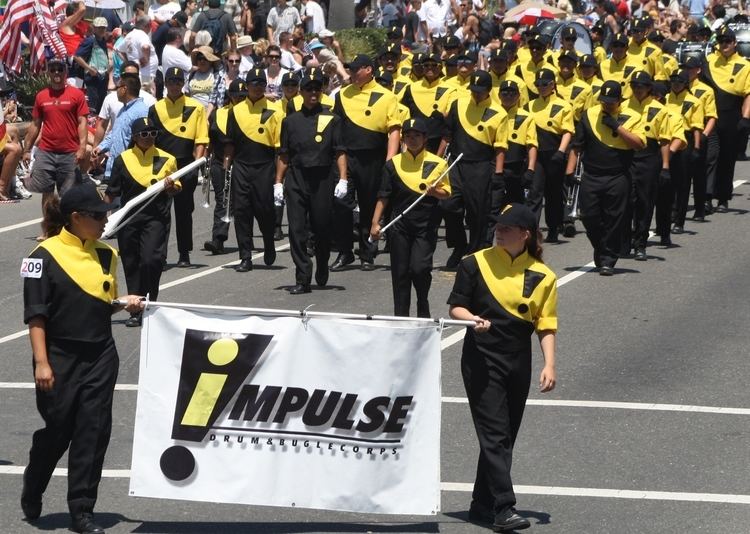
(278, 194)
(341, 188)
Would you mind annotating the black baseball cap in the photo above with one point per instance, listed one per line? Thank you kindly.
(544, 77)
(641, 25)
(466, 58)
(611, 92)
(360, 61)
(570, 55)
(452, 42)
(290, 78)
(141, 125)
(569, 32)
(516, 215)
(588, 60)
(725, 33)
(256, 76)
(312, 76)
(536, 41)
(180, 18)
(499, 54)
(392, 50)
(394, 31)
(620, 38)
(509, 86)
(434, 58)
(655, 37)
(83, 197)
(237, 87)
(641, 77)
(56, 61)
(384, 77)
(679, 76)
(692, 62)
(480, 81)
(174, 73)
(418, 125)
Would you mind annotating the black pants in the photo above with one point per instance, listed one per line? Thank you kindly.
(411, 264)
(219, 229)
(514, 173)
(726, 129)
(471, 194)
(143, 249)
(184, 204)
(681, 183)
(365, 168)
(712, 160)
(603, 202)
(96, 90)
(309, 199)
(497, 387)
(548, 188)
(665, 194)
(644, 173)
(252, 197)
(78, 414)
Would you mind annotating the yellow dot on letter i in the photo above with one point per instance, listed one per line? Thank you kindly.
(223, 351)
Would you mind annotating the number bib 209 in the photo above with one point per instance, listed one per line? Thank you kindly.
(31, 268)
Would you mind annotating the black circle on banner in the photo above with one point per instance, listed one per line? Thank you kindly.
(177, 463)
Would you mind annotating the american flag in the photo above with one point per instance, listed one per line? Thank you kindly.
(44, 31)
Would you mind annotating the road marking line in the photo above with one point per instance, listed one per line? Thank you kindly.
(183, 280)
(563, 491)
(19, 225)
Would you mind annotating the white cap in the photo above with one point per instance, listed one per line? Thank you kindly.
(325, 33)
(99, 22)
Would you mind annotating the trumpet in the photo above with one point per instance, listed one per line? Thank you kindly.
(571, 202)
(228, 218)
(204, 173)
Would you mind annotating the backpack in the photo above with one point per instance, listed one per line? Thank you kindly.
(213, 27)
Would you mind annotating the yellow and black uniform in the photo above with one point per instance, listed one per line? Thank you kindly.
(143, 241)
(430, 102)
(527, 71)
(253, 132)
(369, 113)
(704, 173)
(729, 77)
(646, 56)
(72, 293)
(518, 296)
(521, 137)
(645, 171)
(554, 118)
(498, 79)
(412, 239)
(217, 133)
(576, 92)
(311, 139)
(478, 130)
(182, 125)
(605, 184)
(295, 104)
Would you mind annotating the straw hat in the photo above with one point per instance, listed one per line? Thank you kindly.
(206, 51)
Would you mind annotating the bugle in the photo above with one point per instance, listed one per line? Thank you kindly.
(571, 202)
(204, 173)
(227, 218)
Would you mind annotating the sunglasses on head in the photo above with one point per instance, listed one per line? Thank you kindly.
(148, 133)
(97, 216)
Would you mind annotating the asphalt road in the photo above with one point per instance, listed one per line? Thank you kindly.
(647, 431)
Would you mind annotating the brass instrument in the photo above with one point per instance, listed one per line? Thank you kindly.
(204, 173)
(228, 218)
(571, 202)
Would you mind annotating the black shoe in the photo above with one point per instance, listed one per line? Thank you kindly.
(597, 259)
(640, 254)
(278, 235)
(367, 265)
(321, 274)
(244, 266)
(342, 260)
(509, 520)
(569, 229)
(31, 510)
(84, 524)
(299, 289)
(214, 247)
(677, 229)
(134, 320)
(269, 256)
(722, 207)
(699, 217)
(551, 237)
(481, 513)
(455, 257)
(709, 208)
(665, 241)
(184, 260)
(606, 270)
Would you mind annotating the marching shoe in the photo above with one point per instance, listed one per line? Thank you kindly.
(551, 237)
(709, 207)
(300, 289)
(640, 254)
(269, 256)
(244, 266)
(278, 235)
(481, 513)
(134, 320)
(665, 241)
(31, 510)
(184, 260)
(569, 229)
(321, 274)
(606, 270)
(342, 260)
(84, 524)
(214, 247)
(722, 207)
(509, 520)
(699, 218)
(677, 229)
(367, 265)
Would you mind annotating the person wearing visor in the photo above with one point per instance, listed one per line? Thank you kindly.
(499, 61)
(588, 70)
(617, 67)
(606, 139)
(597, 32)
(143, 241)
(641, 53)
(217, 133)
(70, 282)
(253, 130)
(650, 168)
(412, 238)
(312, 169)
(569, 86)
(538, 59)
(554, 126)
(520, 159)
(509, 293)
(568, 38)
(183, 132)
(728, 74)
(478, 130)
(467, 65)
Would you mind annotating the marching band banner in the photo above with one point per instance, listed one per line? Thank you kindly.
(322, 413)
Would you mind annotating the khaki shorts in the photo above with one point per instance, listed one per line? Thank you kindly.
(52, 169)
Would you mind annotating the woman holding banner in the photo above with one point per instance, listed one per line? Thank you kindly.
(509, 292)
(69, 285)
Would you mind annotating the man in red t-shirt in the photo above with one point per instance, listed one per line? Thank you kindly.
(60, 112)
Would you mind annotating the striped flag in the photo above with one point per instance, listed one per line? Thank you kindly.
(16, 13)
(45, 33)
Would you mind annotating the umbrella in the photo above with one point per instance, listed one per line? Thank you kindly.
(532, 15)
(105, 4)
(523, 6)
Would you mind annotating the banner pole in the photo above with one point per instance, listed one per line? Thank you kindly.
(303, 313)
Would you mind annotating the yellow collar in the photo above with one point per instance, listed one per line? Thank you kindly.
(70, 239)
(503, 255)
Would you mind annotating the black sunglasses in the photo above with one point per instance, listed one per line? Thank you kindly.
(97, 216)
(57, 70)
(148, 133)
(234, 60)
(273, 57)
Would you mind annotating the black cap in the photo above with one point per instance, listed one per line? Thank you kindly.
(383, 77)
(312, 76)
(544, 77)
(641, 25)
(417, 125)
(692, 62)
(290, 78)
(659, 89)
(480, 81)
(127, 26)
(517, 215)
(531, 31)
(536, 41)
(466, 58)
(569, 55)
(679, 76)
(598, 27)
(394, 31)
(83, 197)
(359, 61)
(610, 92)
(434, 58)
(237, 87)
(588, 60)
(569, 31)
(180, 18)
(655, 37)
(174, 73)
(452, 42)
(255, 76)
(725, 33)
(391, 49)
(451, 61)
(499, 54)
(642, 77)
(142, 124)
(620, 38)
(509, 86)
(418, 58)
(56, 61)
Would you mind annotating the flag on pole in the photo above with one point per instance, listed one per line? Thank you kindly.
(16, 13)
(44, 32)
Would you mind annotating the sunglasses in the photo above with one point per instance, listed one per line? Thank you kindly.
(637, 85)
(274, 57)
(57, 70)
(312, 88)
(543, 83)
(509, 92)
(97, 216)
(257, 83)
(148, 133)
(234, 61)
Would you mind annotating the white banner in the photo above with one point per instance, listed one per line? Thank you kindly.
(324, 413)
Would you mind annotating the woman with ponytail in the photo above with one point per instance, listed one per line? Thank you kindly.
(509, 293)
